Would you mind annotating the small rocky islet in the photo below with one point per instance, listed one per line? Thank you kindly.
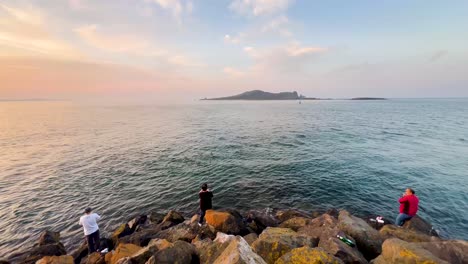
(256, 236)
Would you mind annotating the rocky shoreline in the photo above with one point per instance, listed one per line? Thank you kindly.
(256, 236)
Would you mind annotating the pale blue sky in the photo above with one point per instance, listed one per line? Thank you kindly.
(168, 48)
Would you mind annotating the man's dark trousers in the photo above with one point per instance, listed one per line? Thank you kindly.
(93, 242)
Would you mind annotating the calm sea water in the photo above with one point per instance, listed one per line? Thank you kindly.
(57, 158)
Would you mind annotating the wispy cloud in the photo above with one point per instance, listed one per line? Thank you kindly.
(287, 59)
(111, 42)
(278, 24)
(438, 55)
(176, 7)
(24, 31)
(260, 7)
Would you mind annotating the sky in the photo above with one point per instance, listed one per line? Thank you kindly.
(190, 49)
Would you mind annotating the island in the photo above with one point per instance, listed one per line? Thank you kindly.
(261, 95)
(368, 98)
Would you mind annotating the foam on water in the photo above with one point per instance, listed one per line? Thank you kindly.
(57, 158)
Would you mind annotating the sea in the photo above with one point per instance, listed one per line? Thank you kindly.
(59, 157)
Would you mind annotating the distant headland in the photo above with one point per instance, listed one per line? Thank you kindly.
(262, 95)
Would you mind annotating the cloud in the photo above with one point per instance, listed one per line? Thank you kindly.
(77, 4)
(177, 7)
(231, 40)
(23, 31)
(132, 45)
(259, 7)
(278, 24)
(289, 59)
(438, 55)
(234, 72)
(110, 42)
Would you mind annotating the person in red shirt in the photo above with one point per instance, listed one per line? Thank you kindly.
(408, 207)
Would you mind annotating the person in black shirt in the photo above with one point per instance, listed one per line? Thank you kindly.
(205, 201)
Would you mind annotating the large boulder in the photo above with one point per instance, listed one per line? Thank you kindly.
(122, 231)
(171, 219)
(38, 252)
(452, 251)
(408, 235)
(295, 223)
(94, 258)
(80, 252)
(48, 245)
(238, 251)
(56, 260)
(274, 242)
(124, 250)
(263, 218)
(418, 224)
(48, 237)
(180, 252)
(250, 238)
(156, 218)
(369, 241)
(317, 226)
(339, 249)
(210, 250)
(142, 237)
(284, 215)
(225, 221)
(307, 255)
(395, 250)
(187, 232)
(141, 256)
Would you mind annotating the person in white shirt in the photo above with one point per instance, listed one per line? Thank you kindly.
(91, 229)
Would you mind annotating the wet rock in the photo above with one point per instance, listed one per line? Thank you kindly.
(315, 227)
(210, 250)
(122, 231)
(143, 237)
(124, 250)
(274, 242)
(144, 254)
(49, 237)
(194, 219)
(284, 215)
(395, 250)
(125, 260)
(295, 223)
(250, 238)
(38, 252)
(80, 252)
(333, 212)
(56, 260)
(408, 235)
(179, 252)
(420, 225)
(224, 221)
(307, 255)
(171, 219)
(156, 218)
(95, 258)
(238, 251)
(341, 250)
(452, 251)
(368, 240)
(262, 218)
(187, 232)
